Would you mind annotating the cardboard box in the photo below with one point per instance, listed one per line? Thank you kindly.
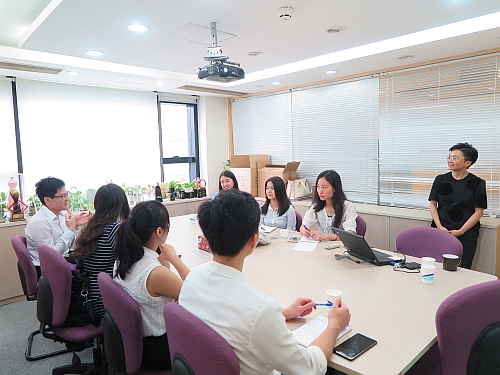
(286, 172)
(245, 169)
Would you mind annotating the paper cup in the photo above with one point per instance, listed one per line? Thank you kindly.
(429, 260)
(451, 262)
(428, 273)
(284, 234)
(332, 294)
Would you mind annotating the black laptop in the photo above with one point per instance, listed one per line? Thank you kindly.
(357, 246)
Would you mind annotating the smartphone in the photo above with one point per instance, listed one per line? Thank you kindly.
(293, 239)
(354, 346)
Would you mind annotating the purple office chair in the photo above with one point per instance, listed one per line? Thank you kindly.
(195, 348)
(29, 282)
(360, 226)
(468, 330)
(427, 241)
(298, 217)
(54, 293)
(122, 329)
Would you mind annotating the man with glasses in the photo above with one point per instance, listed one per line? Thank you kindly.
(458, 200)
(54, 225)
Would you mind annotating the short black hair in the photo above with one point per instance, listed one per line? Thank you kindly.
(48, 187)
(470, 153)
(229, 221)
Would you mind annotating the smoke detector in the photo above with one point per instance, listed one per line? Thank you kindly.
(285, 13)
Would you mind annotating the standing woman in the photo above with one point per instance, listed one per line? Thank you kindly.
(147, 277)
(458, 199)
(278, 210)
(227, 181)
(94, 246)
(330, 209)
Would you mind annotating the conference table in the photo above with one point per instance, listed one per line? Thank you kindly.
(394, 308)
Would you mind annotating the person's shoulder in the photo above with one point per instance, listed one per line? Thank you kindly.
(473, 182)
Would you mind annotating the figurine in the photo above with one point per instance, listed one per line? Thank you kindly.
(12, 186)
(18, 207)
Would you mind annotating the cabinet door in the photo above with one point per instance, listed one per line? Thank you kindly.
(192, 207)
(10, 285)
(176, 209)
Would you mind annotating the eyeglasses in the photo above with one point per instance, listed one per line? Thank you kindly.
(63, 196)
(454, 158)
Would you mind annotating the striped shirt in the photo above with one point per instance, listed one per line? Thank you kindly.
(102, 260)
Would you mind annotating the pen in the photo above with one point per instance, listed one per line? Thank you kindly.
(324, 304)
(262, 228)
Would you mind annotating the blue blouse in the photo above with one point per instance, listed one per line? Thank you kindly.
(286, 221)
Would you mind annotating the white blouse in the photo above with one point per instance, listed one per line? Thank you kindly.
(321, 222)
(286, 221)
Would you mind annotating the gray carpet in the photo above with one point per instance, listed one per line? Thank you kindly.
(17, 321)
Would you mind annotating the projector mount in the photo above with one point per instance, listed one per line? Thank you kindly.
(214, 53)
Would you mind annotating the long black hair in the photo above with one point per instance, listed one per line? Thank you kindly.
(280, 192)
(232, 177)
(136, 231)
(110, 205)
(339, 197)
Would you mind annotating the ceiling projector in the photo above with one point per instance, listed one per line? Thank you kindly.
(219, 69)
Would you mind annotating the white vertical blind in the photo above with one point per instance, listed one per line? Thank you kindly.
(85, 135)
(8, 164)
(426, 111)
(263, 125)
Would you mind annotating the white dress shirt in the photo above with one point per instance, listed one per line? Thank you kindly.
(321, 222)
(47, 228)
(153, 322)
(287, 221)
(251, 322)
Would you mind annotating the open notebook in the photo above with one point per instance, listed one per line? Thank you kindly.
(306, 334)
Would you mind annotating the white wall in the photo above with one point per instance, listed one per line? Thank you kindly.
(214, 139)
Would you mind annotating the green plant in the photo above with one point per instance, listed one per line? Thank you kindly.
(227, 165)
(34, 201)
(3, 202)
(172, 184)
(77, 200)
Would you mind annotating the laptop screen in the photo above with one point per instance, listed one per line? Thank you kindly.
(356, 245)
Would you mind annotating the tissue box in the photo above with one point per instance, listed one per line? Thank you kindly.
(203, 244)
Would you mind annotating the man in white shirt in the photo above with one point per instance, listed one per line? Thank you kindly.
(54, 225)
(251, 322)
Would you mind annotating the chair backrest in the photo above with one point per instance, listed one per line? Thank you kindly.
(298, 217)
(485, 354)
(205, 350)
(428, 242)
(25, 267)
(55, 269)
(360, 226)
(460, 319)
(122, 327)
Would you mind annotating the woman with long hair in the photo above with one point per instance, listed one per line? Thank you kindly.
(147, 277)
(227, 181)
(277, 211)
(94, 245)
(330, 209)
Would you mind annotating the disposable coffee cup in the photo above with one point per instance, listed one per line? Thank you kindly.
(451, 262)
(428, 273)
(284, 234)
(331, 295)
(429, 260)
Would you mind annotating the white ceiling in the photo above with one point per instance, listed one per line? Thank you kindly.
(58, 33)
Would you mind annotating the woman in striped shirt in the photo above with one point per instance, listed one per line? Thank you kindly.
(94, 245)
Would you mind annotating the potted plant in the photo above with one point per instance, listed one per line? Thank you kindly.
(227, 165)
(188, 189)
(34, 203)
(180, 190)
(3, 206)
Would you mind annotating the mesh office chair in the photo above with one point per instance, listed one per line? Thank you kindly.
(122, 329)
(298, 218)
(360, 226)
(54, 293)
(195, 348)
(428, 242)
(29, 282)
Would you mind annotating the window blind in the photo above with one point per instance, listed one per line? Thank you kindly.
(426, 111)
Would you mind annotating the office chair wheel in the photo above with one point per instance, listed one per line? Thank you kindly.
(75, 361)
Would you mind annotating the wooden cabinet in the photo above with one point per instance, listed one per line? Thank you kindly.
(181, 207)
(10, 285)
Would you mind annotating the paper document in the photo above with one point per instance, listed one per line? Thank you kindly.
(310, 331)
(266, 229)
(306, 244)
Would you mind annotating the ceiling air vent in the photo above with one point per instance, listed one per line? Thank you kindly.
(29, 68)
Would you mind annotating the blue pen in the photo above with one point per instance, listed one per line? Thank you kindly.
(324, 304)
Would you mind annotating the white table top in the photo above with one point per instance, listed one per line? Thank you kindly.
(394, 308)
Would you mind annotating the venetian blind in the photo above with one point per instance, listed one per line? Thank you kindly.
(423, 113)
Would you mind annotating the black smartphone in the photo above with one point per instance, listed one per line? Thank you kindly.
(354, 346)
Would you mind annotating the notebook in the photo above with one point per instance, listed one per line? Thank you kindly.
(357, 246)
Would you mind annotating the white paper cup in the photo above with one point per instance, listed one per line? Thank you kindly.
(428, 273)
(429, 260)
(284, 234)
(331, 295)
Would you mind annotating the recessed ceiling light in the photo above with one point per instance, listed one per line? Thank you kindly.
(276, 83)
(335, 30)
(254, 53)
(73, 73)
(405, 57)
(331, 71)
(160, 83)
(94, 53)
(137, 28)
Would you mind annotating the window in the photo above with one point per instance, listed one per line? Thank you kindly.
(179, 141)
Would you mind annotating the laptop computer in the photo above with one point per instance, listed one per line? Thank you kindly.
(357, 246)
